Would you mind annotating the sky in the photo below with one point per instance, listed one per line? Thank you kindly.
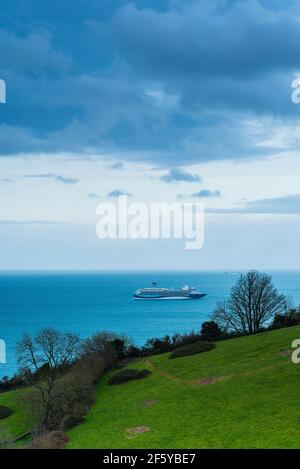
(165, 101)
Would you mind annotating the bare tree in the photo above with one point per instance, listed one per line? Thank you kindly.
(43, 360)
(252, 303)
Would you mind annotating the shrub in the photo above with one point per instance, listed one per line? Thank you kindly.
(128, 375)
(71, 396)
(191, 349)
(8, 384)
(90, 368)
(159, 345)
(133, 351)
(210, 331)
(71, 399)
(292, 318)
(125, 362)
(180, 340)
(50, 440)
(5, 412)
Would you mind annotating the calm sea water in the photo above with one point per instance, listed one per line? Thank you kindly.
(88, 302)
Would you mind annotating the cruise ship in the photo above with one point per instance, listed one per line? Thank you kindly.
(158, 293)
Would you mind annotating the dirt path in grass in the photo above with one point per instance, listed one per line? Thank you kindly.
(164, 374)
(204, 380)
(178, 380)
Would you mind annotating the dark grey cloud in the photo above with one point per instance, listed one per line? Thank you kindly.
(32, 53)
(229, 38)
(174, 82)
(92, 195)
(180, 175)
(118, 193)
(216, 54)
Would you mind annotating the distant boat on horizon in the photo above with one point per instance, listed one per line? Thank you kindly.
(159, 293)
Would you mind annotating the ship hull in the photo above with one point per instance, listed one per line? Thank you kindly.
(194, 297)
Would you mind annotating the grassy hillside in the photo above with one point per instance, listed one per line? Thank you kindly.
(17, 424)
(243, 394)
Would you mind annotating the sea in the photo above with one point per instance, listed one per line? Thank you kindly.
(89, 302)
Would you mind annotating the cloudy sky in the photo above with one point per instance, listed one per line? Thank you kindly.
(162, 100)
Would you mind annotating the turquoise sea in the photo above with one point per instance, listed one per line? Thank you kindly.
(88, 302)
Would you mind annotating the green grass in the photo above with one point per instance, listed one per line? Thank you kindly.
(254, 403)
(19, 422)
